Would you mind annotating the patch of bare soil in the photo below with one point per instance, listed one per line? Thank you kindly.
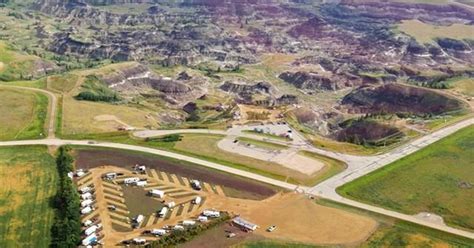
(300, 219)
(2, 65)
(219, 238)
(88, 159)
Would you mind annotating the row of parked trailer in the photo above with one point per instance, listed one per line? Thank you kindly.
(87, 199)
(159, 232)
(91, 233)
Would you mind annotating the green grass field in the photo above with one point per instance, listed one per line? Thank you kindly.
(397, 233)
(436, 179)
(22, 114)
(28, 177)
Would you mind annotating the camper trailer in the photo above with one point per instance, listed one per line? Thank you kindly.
(195, 184)
(156, 193)
(131, 180)
(197, 200)
(202, 218)
(189, 223)
(170, 204)
(139, 241)
(91, 239)
(178, 228)
(92, 229)
(141, 183)
(158, 232)
(86, 210)
(163, 212)
(84, 190)
(86, 196)
(86, 203)
(139, 219)
(211, 213)
(110, 176)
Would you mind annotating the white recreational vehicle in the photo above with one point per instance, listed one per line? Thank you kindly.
(92, 229)
(189, 223)
(131, 180)
(197, 200)
(86, 203)
(211, 213)
(163, 212)
(170, 204)
(86, 210)
(141, 183)
(158, 232)
(84, 190)
(156, 193)
(86, 196)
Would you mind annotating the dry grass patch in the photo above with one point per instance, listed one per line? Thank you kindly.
(426, 33)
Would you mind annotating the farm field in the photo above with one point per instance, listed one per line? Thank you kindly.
(426, 33)
(442, 185)
(22, 114)
(29, 181)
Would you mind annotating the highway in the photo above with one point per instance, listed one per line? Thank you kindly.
(358, 166)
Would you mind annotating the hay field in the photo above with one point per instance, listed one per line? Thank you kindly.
(28, 176)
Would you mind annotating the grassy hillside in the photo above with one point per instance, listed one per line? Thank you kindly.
(437, 179)
(28, 176)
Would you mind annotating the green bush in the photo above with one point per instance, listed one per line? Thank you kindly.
(97, 91)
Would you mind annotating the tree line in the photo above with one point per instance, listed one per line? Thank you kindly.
(66, 228)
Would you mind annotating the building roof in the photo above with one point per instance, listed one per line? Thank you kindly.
(243, 223)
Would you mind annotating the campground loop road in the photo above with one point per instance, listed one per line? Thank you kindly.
(358, 166)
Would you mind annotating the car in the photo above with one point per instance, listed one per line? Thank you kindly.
(271, 228)
(236, 141)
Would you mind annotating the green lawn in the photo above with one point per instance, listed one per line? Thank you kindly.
(28, 177)
(437, 179)
(22, 114)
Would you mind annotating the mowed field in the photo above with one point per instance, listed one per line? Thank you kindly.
(22, 114)
(427, 33)
(437, 179)
(28, 177)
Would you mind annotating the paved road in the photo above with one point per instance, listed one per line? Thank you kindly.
(357, 165)
(323, 190)
(53, 103)
(59, 142)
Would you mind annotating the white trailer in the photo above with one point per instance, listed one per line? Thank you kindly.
(141, 168)
(202, 218)
(131, 180)
(158, 232)
(139, 219)
(178, 228)
(189, 223)
(85, 190)
(87, 223)
(170, 204)
(86, 210)
(211, 213)
(86, 196)
(195, 184)
(92, 229)
(163, 212)
(157, 193)
(86, 203)
(89, 240)
(139, 241)
(110, 175)
(141, 183)
(197, 200)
